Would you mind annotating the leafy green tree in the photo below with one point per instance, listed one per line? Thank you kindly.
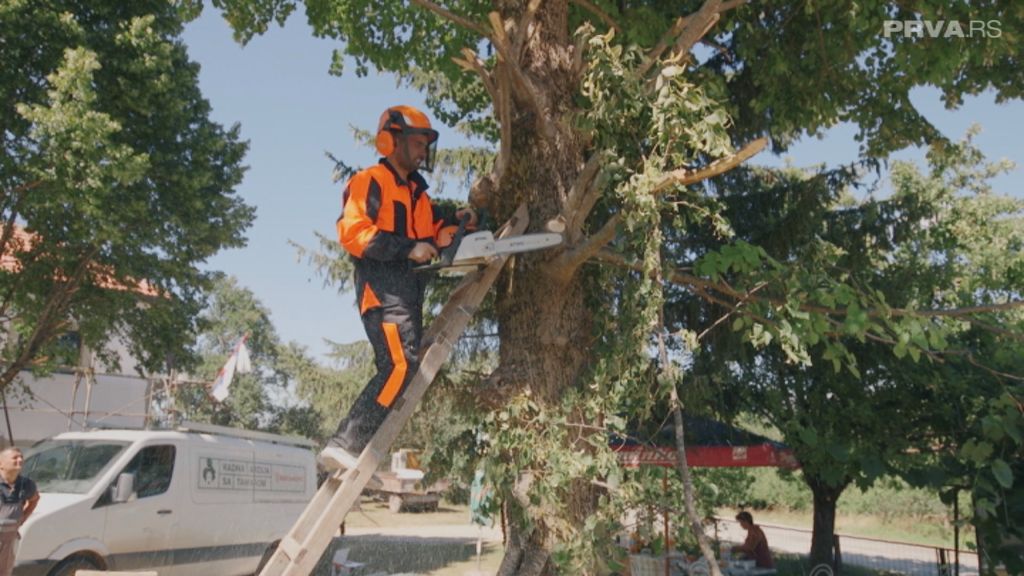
(115, 185)
(941, 241)
(329, 390)
(264, 398)
(234, 312)
(605, 117)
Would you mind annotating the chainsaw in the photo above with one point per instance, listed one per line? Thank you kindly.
(469, 252)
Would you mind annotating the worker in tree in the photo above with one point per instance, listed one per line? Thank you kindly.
(388, 225)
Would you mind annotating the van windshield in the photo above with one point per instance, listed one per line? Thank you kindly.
(69, 466)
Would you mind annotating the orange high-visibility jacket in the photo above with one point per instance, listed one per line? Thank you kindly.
(383, 216)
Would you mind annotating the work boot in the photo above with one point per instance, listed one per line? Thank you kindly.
(334, 458)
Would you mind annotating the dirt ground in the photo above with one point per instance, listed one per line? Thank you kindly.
(442, 543)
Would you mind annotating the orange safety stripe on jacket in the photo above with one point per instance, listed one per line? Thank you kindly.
(394, 382)
(376, 202)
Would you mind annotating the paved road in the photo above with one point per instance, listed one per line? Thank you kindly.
(879, 555)
(436, 545)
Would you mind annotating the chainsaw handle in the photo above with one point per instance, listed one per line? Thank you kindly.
(448, 253)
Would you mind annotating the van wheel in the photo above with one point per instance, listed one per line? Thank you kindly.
(69, 566)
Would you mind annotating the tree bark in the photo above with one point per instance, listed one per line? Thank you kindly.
(544, 325)
(826, 497)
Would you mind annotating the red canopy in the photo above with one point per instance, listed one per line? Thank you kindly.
(710, 444)
(707, 456)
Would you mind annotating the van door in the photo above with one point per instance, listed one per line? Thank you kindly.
(218, 531)
(139, 532)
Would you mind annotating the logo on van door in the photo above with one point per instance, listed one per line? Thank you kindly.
(227, 474)
(209, 471)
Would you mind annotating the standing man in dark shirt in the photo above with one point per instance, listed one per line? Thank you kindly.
(756, 544)
(18, 498)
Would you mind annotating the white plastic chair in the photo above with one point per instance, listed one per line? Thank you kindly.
(342, 566)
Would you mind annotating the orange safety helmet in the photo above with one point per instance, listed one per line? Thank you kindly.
(405, 120)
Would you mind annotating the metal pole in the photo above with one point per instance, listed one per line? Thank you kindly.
(74, 396)
(664, 514)
(7, 417)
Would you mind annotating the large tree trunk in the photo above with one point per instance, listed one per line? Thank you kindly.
(544, 324)
(826, 497)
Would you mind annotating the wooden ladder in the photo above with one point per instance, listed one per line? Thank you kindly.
(300, 550)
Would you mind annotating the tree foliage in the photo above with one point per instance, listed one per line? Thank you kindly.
(286, 391)
(941, 241)
(115, 185)
(611, 117)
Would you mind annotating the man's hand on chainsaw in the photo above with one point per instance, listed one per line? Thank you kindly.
(422, 253)
(471, 225)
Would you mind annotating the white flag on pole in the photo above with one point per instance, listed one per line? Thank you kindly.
(237, 362)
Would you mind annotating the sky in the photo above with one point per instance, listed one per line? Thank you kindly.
(292, 111)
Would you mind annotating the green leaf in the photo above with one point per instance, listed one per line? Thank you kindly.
(1004, 475)
(809, 436)
(915, 353)
(738, 324)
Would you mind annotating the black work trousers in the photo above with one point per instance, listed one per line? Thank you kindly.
(394, 331)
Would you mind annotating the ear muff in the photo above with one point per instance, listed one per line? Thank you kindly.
(385, 143)
(390, 121)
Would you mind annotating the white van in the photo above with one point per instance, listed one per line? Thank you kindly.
(197, 500)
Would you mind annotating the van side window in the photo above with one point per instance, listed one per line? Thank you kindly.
(153, 467)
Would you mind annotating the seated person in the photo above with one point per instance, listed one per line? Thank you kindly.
(756, 544)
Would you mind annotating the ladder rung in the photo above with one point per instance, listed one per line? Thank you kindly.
(292, 549)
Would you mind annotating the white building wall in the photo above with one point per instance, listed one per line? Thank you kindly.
(63, 401)
(66, 401)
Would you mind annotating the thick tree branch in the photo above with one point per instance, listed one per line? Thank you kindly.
(663, 43)
(471, 62)
(588, 195)
(569, 261)
(520, 83)
(686, 31)
(686, 176)
(582, 196)
(522, 32)
(452, 17)
(697, 27)
(601, 14)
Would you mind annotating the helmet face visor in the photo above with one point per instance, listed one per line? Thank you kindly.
(415, 150)
(427, 163)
